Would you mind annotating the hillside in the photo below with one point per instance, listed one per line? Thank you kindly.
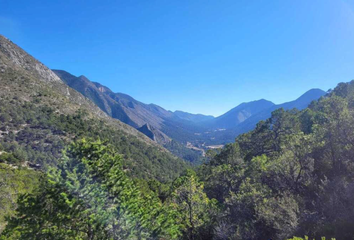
(40, 114)
(130, 111)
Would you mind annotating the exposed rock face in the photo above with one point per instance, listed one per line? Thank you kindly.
(146, 129)
(20, 58)
(154, 134)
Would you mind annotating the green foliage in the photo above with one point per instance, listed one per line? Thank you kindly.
(14, 182)
(190, 155)
(89, 196)
(292, 175)
(196, 210)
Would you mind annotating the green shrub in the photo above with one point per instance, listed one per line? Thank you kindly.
(307, 238)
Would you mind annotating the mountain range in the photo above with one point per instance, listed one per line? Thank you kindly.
(196, 130)
(184, 134)
(248, 114)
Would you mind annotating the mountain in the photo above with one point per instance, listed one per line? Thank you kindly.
(154, 134)
(158, 124)
(121, 106)
(295, 165)
(300, 103)
(304, 100)
(40, 115)
(245, 116)
(240, 114)
(248, 114)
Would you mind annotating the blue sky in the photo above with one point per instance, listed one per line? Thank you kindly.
(199, 56)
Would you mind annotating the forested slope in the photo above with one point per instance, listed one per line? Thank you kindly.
(292, 175)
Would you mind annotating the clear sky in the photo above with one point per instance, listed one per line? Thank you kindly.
(199, 56)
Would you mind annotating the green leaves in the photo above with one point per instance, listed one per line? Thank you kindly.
(89, 196)
(195, 210)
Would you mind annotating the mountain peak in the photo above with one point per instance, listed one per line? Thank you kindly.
(304, 100)
(313, 92)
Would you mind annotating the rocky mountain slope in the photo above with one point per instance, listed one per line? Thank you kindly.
(40, 114)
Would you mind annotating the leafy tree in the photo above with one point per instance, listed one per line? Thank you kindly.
(196, 210)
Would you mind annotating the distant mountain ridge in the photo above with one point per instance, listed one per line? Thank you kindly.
(248, 114)
(237, 127)
(300, 103)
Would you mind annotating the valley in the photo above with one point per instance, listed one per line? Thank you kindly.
(78, 161)
(191, 132)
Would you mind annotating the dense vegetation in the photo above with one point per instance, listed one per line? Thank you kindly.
(14, 181)
(291, 176)
(193, 156)
(40, 116)
(89, 196)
